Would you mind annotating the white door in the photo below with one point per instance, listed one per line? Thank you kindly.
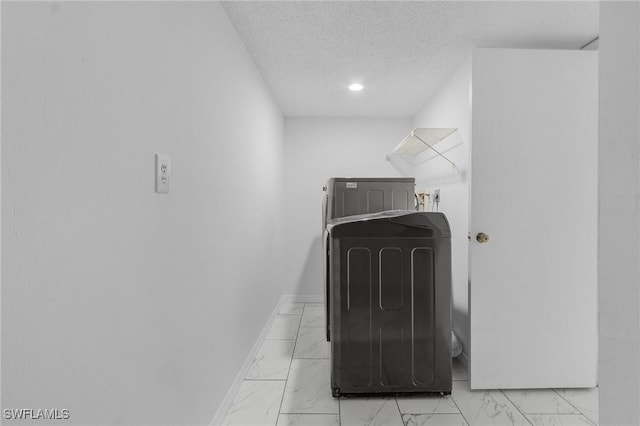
(533, 284)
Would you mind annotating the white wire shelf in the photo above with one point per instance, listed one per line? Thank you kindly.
(421, 146)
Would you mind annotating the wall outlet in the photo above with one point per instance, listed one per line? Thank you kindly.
(163, 173)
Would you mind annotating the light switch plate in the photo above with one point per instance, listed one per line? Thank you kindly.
(163, 173)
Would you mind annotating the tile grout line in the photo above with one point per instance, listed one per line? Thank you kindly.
(458, 407)
(564, 415)
(284, 316)
(516, 407)
(555, 414)
(576, 408)
(566, 400)
(400, 411)
(290, 362)
(292, 340)
(309, 357)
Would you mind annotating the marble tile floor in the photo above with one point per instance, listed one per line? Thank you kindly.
(288, 384)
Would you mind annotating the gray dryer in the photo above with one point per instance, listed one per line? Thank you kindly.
(353, 196)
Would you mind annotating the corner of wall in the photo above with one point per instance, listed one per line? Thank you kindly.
(450, 107)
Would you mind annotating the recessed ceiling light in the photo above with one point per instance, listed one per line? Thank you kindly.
(356, 87)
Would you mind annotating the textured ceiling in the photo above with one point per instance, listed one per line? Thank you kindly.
(310, 51)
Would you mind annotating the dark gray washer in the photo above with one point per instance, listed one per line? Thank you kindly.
(390, 310)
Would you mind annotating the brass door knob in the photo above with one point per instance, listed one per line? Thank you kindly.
(482, 237)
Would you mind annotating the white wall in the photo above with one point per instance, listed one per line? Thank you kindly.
(451, 107)
(619, 194)
(315, 150)
(119, 304)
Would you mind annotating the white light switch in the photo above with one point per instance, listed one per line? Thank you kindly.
(163, 172)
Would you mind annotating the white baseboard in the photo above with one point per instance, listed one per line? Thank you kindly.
(235, 386)
(302, 298)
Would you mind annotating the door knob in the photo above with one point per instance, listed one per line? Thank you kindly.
(482, 237)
